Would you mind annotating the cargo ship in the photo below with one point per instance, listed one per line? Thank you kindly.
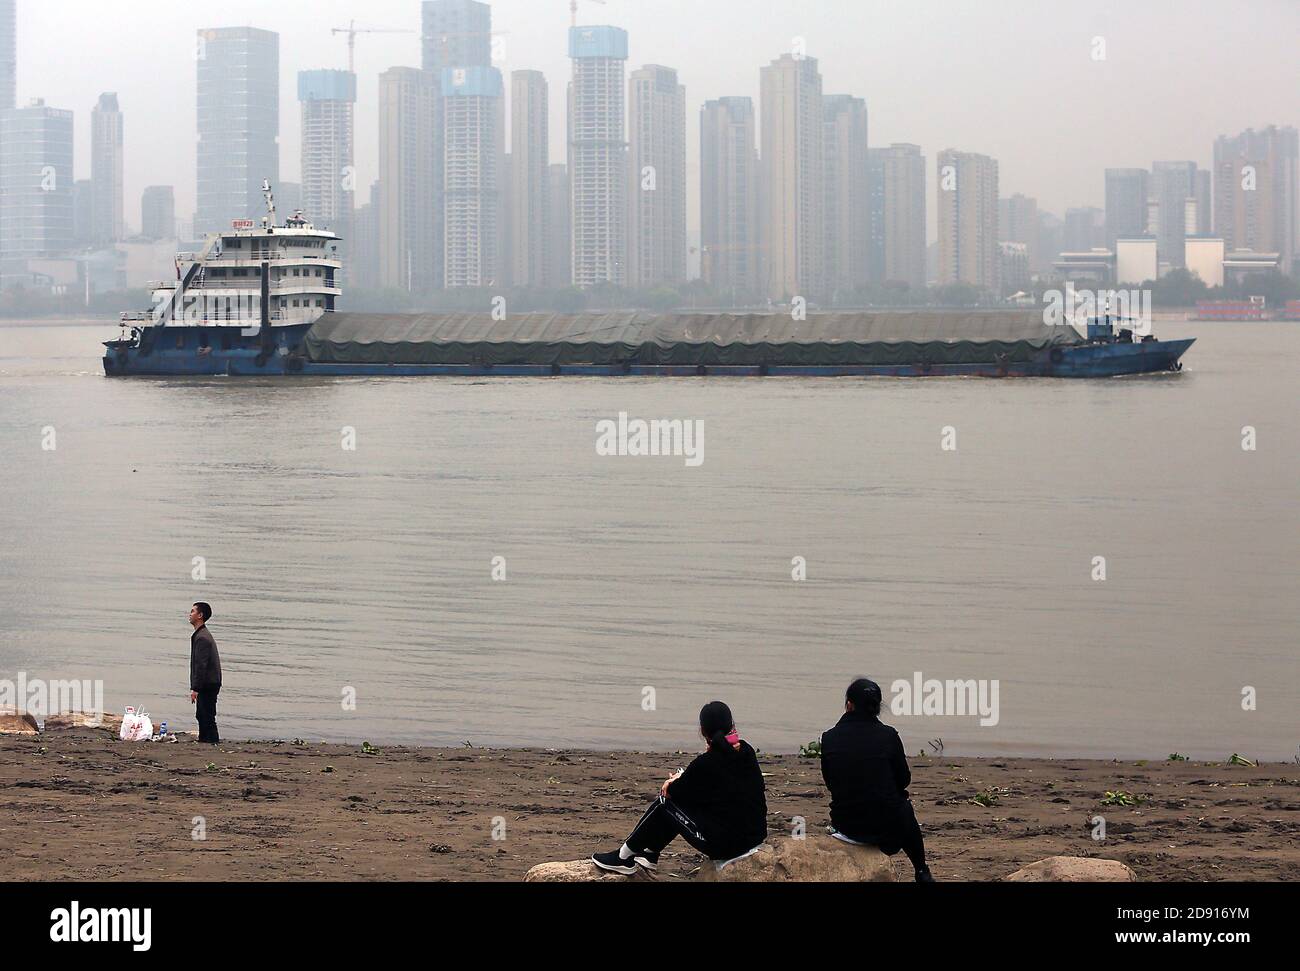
(259, 300)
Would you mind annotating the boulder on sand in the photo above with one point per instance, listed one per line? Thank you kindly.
(83, 719)
(1073, 869)
(577, 871)
(814, 859)
(15, 723)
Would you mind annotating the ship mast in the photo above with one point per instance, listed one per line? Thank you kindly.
(268, 221)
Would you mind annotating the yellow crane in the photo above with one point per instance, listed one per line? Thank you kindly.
(352, 30)
(573, 9)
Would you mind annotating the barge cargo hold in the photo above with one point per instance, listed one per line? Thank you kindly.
(921, 343)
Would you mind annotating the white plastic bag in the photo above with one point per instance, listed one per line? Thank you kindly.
(136, 727)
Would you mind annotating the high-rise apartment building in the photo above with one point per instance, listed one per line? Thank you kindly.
(106, 170)
(792, 163)
(36, 186)
(1018, 223)
(1126, 204)
(363, 268)
(473, 130)
(846, 182)
(598, 155)
(901, 214)
(559, 253)
(529, 178)
(1256, 187)
(238, 123)
(83, 214)
(158, 212)
(328, 99)
(8, 54)
(968, 219)
(657, 171)
(1085, 228)
(729, 230)
(456, 33)
(410, 256)
(1174, 188)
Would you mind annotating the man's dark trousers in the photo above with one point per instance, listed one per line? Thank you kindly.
(205, 708)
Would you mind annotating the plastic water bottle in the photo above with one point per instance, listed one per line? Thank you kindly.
(162, 730)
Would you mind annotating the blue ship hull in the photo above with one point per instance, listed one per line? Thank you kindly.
(183, 352)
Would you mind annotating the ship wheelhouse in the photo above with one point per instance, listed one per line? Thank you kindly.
(223, 286)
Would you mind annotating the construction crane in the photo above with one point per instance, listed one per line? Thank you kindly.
(352, 30)
(573, 9)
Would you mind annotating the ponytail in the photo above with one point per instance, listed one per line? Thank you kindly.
(717, 725)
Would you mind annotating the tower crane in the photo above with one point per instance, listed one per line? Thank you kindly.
(573, 9)
(352, 30)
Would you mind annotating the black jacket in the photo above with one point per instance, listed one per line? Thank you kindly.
(723, 793)
(205, 662)
(867, 773)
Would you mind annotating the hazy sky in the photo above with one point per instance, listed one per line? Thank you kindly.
(1015, 79)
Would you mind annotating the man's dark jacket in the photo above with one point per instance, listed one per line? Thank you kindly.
(205, 662)
(867, 774)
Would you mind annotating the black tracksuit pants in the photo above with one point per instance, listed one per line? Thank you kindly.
(666, 820)
(900, 832)
(205, 709)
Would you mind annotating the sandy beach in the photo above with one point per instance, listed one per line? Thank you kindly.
(81, 805)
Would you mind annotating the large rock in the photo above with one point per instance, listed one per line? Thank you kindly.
(1073, 869)
(815, 859)
(81, 719)
(15, 723)
(577, 871)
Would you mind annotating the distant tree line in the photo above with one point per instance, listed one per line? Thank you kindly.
(1177, 289)
(1182, 288)
(27, 303)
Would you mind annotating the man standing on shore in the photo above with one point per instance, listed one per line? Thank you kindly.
(205, 673)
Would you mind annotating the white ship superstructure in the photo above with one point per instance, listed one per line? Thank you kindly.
(222, 286)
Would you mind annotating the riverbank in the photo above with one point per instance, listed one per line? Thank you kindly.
(80, 805)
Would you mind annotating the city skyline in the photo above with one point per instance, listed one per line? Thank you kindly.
(934, 110)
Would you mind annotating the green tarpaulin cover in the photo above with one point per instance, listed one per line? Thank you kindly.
(634, 337)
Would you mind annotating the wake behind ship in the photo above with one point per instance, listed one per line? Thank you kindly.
(260, 301)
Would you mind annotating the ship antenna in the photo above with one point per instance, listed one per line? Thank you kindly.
(269, 219)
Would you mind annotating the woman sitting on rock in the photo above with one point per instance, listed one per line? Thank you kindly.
(867, 774)
(716, 804)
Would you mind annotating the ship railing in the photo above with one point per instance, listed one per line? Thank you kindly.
(223, 316)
